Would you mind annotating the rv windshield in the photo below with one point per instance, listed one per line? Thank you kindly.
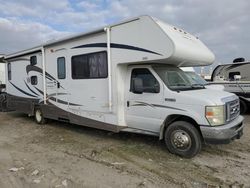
(176, 79)
(195, 78)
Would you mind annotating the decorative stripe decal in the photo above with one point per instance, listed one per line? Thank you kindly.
(22, 91)
(47, 75)
(142, 104)
(233, 66)
(55, 99)
(55, 94)
(37, 69)
(115, 45)
(30, 89)
(155, 105)
(63, 102)
(170, 107)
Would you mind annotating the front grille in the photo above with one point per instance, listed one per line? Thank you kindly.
(233, 109)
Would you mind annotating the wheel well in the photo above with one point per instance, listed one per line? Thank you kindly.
(244, 100)
(172, 118)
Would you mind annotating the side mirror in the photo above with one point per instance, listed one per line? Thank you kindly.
(137, 85)
(237, 77)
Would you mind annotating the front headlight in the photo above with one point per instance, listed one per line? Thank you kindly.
(216, 115)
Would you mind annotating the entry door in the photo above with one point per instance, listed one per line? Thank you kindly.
(143, 112)
(57, 79)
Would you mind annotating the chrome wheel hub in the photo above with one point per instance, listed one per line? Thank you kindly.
(181, 140)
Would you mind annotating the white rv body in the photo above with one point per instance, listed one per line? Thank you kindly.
(2, 74)
(2, 71)
(103, 97)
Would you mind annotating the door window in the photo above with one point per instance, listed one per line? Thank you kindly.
(61, 70)
(33, 60)
(149, 81)
(9, 71)
(33, 80)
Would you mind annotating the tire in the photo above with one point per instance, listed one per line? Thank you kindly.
(3, 103)
(243, 107)
(39, 118)
(183, 139)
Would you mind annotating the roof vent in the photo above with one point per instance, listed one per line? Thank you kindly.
(238, 60)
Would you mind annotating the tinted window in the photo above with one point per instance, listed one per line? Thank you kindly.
(61, 70)
(149, 81)
(89, 66)
(33, 80)
(9, 71)
(33, 60)
(80, 67)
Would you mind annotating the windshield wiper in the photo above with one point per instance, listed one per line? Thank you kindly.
(195, 85)
(181, 85)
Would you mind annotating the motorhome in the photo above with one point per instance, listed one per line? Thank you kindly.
(236, 79)
(125, 77)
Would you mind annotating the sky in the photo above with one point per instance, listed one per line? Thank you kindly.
(223, 25)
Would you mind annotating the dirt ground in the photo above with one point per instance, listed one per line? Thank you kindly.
(63, 155)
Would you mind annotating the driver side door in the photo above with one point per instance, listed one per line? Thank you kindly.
(143, 111)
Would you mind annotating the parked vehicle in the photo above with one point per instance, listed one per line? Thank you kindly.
(2, 71)
(125, 77)
(3, 102)
(236, 79)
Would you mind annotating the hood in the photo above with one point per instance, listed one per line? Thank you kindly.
(215, 87)
(206, 97)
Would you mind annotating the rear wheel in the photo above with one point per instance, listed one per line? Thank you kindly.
(243, 107)
(40, 119)
(183, 139)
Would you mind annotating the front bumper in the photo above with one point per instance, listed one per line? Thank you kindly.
(223, 134)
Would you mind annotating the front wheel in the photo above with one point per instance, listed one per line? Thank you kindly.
(40, 119)
(183, 139)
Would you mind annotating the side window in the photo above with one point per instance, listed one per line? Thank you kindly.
(33, 60)
(150, 84)
(98, 67)
(89, 66)
(33, 80)
(61, 70)
(79, 67)
(232, 74)
(9, 71)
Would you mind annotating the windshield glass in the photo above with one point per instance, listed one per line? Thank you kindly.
(195, 78)
(176, 79)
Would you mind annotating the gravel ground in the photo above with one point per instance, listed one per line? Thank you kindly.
(63, 155)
